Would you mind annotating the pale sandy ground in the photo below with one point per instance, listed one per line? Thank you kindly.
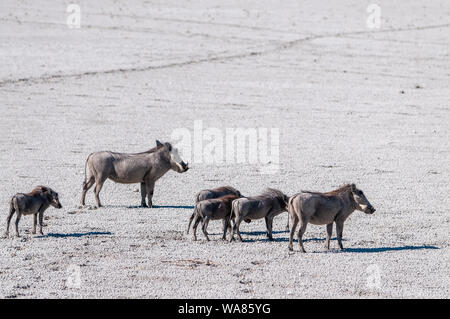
(135, 71)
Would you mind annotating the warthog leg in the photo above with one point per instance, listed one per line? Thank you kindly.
(339, 229)
(237, 222)
(269, 227)
(143, 195)
(287, 225)
(86, 186)
(150, 185)
(231, 224)
(239, 232)
(232, 233)
(19, 214)
(8, 218)
(34, 223)
(291, 234)
(190, 222)
(41, 219)
(98, 187)
(226, 225)
(329, 233)
(301, 231)
(205, 226)
(194, 228)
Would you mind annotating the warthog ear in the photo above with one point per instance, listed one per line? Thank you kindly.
(158, 143)
(169, 146)
(48, 193)
(353, 187)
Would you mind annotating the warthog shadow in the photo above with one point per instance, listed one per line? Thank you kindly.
(57, 235)
(256, 233)
(346, 250)
(384, 249)
(275, 240)
(173, 206)
(279, 239)
(157, 206)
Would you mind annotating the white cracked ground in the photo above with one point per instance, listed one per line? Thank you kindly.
(369, 106)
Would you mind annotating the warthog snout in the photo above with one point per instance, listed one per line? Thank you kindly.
(56, 204)
(370, 210)
(184, 166)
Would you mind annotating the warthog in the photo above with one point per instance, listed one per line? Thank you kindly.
(324, 209)
(214, 208)
(267, 205)
(216, 193)
(213, 193)
(35, 202)
(144, 168)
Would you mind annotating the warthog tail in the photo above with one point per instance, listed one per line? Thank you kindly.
(12, 208)
(233, 213)
(85, 168)
(191, 219)
(197, 198)
(290, 208)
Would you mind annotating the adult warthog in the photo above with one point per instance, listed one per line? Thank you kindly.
(213, 193)
(267, 205)
(144, 168)
(213, 209)
(324, 209)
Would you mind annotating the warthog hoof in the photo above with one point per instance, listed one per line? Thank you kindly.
(290, 248)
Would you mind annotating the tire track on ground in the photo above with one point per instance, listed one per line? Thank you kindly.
(220, 58)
